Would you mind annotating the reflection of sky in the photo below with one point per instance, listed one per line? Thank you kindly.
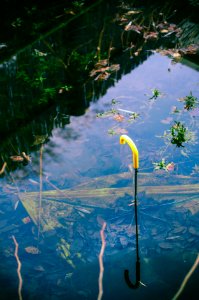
(84, 147)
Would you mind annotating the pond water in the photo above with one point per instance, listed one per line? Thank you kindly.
(54, 205)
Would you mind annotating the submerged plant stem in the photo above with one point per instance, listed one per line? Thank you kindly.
(18, 268)
(40, 189)
(187, 278)
(101, 262)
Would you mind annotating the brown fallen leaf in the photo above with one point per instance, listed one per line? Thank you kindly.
(150, 35)
(119, 118)
(17, 158)
(103, 76)
(101, 63)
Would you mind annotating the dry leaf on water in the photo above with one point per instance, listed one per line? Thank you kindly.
(17, 158)
(119, 118)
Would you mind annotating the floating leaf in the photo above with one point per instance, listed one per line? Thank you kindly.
(101, 63)
(136, 28)
(103, 76)
(17, 158)
(150, 35)
(170, 167)
(164, 31)
(119, 118)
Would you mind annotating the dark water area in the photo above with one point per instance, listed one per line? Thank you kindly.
(68, 92)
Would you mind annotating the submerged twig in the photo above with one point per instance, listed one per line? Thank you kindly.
(40, 189)
(101, 262)
(3, 168)
(187, 278)
(18, 268)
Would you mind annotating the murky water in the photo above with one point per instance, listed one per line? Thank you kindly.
(79, 176)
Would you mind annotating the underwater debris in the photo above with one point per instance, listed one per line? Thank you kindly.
(101, 262)
(20, 158)
(32, 250)
(18, 268)
(17, 158)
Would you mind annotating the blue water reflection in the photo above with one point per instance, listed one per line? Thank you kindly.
(66, 265)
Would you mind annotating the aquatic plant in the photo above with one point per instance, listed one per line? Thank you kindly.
(155, 94)
(178, 134)
(106, 114)
(190, 102)
(133, 116)
(102, 70)
(162, 165)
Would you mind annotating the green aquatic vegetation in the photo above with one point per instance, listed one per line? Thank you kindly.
(114, 102)
(162, 165)
(133, 117)
(107, 114)
(155, 94)
(111, 131)
(178, 134)
(119, 115)
(190, 102)
(63, 248)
